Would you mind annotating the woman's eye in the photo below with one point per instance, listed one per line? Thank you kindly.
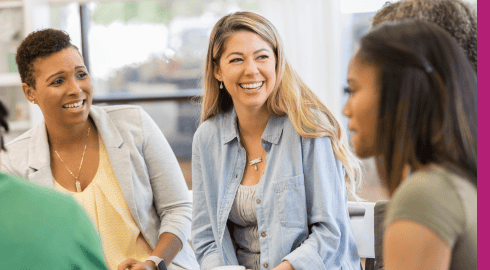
(57, 82)
(82, 75)
(235, 60)
(263, 57)
(348, 91)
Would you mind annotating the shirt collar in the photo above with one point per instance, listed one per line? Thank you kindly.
(272, 132)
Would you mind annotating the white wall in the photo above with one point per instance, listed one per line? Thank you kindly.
(311, 34)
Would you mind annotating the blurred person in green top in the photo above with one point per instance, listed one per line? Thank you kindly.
(43, 229)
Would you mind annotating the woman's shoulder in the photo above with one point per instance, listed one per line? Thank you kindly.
(122, 116)
(434, 180)
(15, 159)
(210, 128)
(117, 111)
(431, 198)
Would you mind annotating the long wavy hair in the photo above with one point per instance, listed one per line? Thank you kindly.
(290, 96)
(428, 105)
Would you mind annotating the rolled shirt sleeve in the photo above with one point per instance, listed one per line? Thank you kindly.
(171, 197)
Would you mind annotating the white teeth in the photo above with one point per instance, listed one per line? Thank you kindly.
(73, 106)
(252, 85)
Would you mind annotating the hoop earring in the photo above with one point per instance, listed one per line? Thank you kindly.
(221, 85)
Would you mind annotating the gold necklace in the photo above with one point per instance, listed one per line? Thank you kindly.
(77, 183)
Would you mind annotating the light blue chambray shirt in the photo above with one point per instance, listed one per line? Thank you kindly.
(301, 200)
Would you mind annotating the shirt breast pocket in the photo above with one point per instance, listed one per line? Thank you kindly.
(291, 201)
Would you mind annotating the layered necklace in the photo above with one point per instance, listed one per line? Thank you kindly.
(78, 186)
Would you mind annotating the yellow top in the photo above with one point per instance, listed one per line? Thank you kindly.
(104, 202)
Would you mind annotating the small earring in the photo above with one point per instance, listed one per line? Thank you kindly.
(221, 85)
(33, 102)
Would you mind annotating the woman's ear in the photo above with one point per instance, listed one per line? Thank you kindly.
(29, 92)
(217, 73)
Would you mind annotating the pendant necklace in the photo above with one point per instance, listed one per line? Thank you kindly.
(77, 183)
(255, 161)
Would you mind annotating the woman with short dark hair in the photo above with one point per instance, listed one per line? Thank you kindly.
(114, 160)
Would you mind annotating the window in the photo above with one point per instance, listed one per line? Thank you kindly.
(149, 53)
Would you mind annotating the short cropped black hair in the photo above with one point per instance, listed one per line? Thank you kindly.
(39, 44)
(3, 122)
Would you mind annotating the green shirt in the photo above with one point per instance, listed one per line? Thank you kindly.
(444, 202)
(43, 229)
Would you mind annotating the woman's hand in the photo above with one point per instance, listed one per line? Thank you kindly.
(285, 265)
(136, 265)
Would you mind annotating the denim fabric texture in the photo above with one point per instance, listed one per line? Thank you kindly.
(301, 200)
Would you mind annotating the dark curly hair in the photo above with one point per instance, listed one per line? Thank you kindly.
(3, 123)
(39, 44)
(456, 16)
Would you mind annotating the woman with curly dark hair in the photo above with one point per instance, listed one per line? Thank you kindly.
(455, 16)
(114, 160)
(413, 103)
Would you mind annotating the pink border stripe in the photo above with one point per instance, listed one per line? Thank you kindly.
(483, 132)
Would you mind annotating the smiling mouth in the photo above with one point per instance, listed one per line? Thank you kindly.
(251, 86)
(74, 106)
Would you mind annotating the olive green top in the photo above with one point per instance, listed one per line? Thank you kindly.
(444, 202)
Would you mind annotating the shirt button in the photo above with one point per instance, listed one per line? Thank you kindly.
(263, 234)
(258, 201)
(266, 265)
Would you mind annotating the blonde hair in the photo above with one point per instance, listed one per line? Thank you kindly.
(290, 96)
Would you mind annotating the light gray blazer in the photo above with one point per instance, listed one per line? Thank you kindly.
(143, 162)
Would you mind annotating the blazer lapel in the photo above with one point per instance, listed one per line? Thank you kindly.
(39, 161)
(118, 156)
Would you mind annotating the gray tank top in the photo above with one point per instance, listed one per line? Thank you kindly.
(245, 231)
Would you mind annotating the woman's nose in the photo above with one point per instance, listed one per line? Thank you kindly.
(346, 110)
(75, 87)
(251, 68)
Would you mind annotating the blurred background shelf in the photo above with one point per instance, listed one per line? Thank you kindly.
(10, 4)
(10, 79)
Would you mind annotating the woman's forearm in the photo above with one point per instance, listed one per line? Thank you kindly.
(168, 247)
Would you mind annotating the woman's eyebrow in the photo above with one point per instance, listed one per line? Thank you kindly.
(57, 73)
(261, 50)
(241, 54)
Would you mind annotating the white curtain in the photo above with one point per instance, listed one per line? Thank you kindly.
(311, 32)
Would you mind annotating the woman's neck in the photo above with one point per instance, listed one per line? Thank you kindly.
(64, 137)
(252, 123)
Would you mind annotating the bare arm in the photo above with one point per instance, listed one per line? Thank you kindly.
(167, 248)
(410, 245)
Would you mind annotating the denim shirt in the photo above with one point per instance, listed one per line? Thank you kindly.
(301, 200)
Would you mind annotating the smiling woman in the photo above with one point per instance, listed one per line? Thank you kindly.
(269, 164)
(247, 70)
(113, 160)
(63, 90)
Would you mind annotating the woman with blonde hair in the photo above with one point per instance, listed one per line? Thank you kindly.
(270, 162)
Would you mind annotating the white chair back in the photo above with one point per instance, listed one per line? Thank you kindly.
(363, 227)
